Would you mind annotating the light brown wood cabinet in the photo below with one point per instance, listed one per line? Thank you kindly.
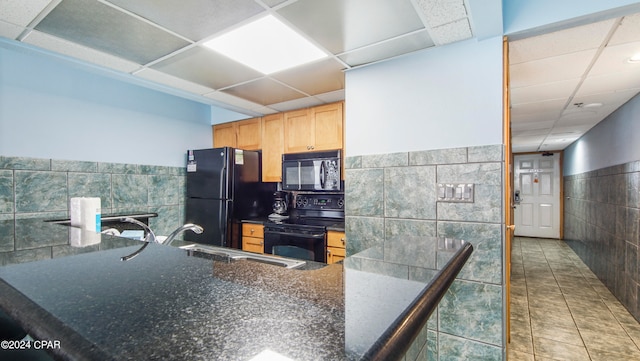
(336, 246)
(253, 237)
(224, 135)
(272, 147)
(314, 129)
(249, 134)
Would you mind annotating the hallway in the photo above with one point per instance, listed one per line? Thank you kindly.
(561, 311)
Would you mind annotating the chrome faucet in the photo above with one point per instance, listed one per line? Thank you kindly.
(187, 227)
(149, 236)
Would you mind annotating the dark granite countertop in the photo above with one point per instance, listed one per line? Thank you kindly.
(167, 305)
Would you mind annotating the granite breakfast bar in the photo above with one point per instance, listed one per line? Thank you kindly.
(167, 304)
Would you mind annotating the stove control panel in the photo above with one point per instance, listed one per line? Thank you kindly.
(319, 201)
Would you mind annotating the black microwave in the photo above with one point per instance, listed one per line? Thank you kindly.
(312, 171)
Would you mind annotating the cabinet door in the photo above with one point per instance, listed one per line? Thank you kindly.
(249, 134)
(224, 135)
(336, 239)
(335, 254)
(272, 147)
(298, 132)
(328, 122)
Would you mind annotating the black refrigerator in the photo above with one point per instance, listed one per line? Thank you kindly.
(222, 188)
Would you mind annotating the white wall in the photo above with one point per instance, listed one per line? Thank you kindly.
(54, 108)
(445, 97)
(613, 141)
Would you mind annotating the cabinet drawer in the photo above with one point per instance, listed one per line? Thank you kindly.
(252, 230)
(252, 244)
(335, 254)
(336, 239)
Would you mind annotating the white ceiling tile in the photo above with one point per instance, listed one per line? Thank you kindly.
(614, 59)
(552, 69)
(264, 91)
(10, 31)
(315, 78)
(451, 32)
(166, 79)
(571, 40)
(550, 91)
(610, 99)
(609, 83)
(93, 56)
(21, 12)
(388, 49)
(533, 125)
(232, 100)
(331, 97)
(628, 31)
(296, 104)
(554, 106)
(536, 118)
(440, 12)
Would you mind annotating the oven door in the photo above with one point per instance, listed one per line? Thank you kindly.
(309, 246)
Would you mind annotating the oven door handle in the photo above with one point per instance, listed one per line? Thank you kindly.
(319, 235)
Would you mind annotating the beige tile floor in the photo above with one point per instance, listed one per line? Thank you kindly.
(561, 311)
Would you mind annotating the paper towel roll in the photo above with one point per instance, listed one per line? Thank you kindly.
(86, 213)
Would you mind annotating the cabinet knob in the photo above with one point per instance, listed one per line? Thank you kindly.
(252, 230)
(343, 240)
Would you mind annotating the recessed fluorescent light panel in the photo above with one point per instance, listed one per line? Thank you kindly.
(266, 45)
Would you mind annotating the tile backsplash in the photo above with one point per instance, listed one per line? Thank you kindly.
(602, 225)
(32, 189)
(395, 195)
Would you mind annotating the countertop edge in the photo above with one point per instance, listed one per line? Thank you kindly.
(41, 325)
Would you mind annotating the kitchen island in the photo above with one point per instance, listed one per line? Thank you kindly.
(167, 304)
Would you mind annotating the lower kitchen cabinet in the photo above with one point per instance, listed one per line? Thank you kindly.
(336, 246)
(253, 237)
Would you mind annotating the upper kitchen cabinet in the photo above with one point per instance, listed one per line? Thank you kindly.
(314, 129)
(224, 135)
(272, 147)
(249, 134)
(243, 134)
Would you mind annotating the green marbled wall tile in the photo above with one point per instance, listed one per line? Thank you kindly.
(129, 190)
(385, 160)
(485, 263)
(182, 186)
(409, 228)
(417, 348)
(438, 156)
(412, 251)
(364, 192)
(6, 232)
(163, 190)
(6, 191)
(363, 233)
(410, 192)
(353, 162)
(472, 310)
(25, 163)
(27, 255)
(40, 191)
(33, 232)
(161, 170)
(486, 153)
(452, 348)
(167, 221)
(486, 207)
(73, 166)
(432, 347)
(477, 173)
(118, 168)
(91, 185)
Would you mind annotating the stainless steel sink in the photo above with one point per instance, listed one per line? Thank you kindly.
(233, 255)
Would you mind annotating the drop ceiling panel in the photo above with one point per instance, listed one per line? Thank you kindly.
(628, 31)
(542, 118)
(172, 81)
(561, 90)
(557, 43)
(552, 69)
(549, 106)
(22, 12)
(65, 47)
(206, 67)
(10, 31)
(610, 83)
(438, 12)
(232, 100)
(104, 28)
(452, 32)
(343, 25)
(315, 78)
(264, 91)
(614, 59)
(388, 49)
(194, 19)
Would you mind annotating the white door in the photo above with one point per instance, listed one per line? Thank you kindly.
(537, 185)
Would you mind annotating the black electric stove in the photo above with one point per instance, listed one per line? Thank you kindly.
(303, 234)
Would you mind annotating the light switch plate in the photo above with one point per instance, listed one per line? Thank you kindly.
(455, 192)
